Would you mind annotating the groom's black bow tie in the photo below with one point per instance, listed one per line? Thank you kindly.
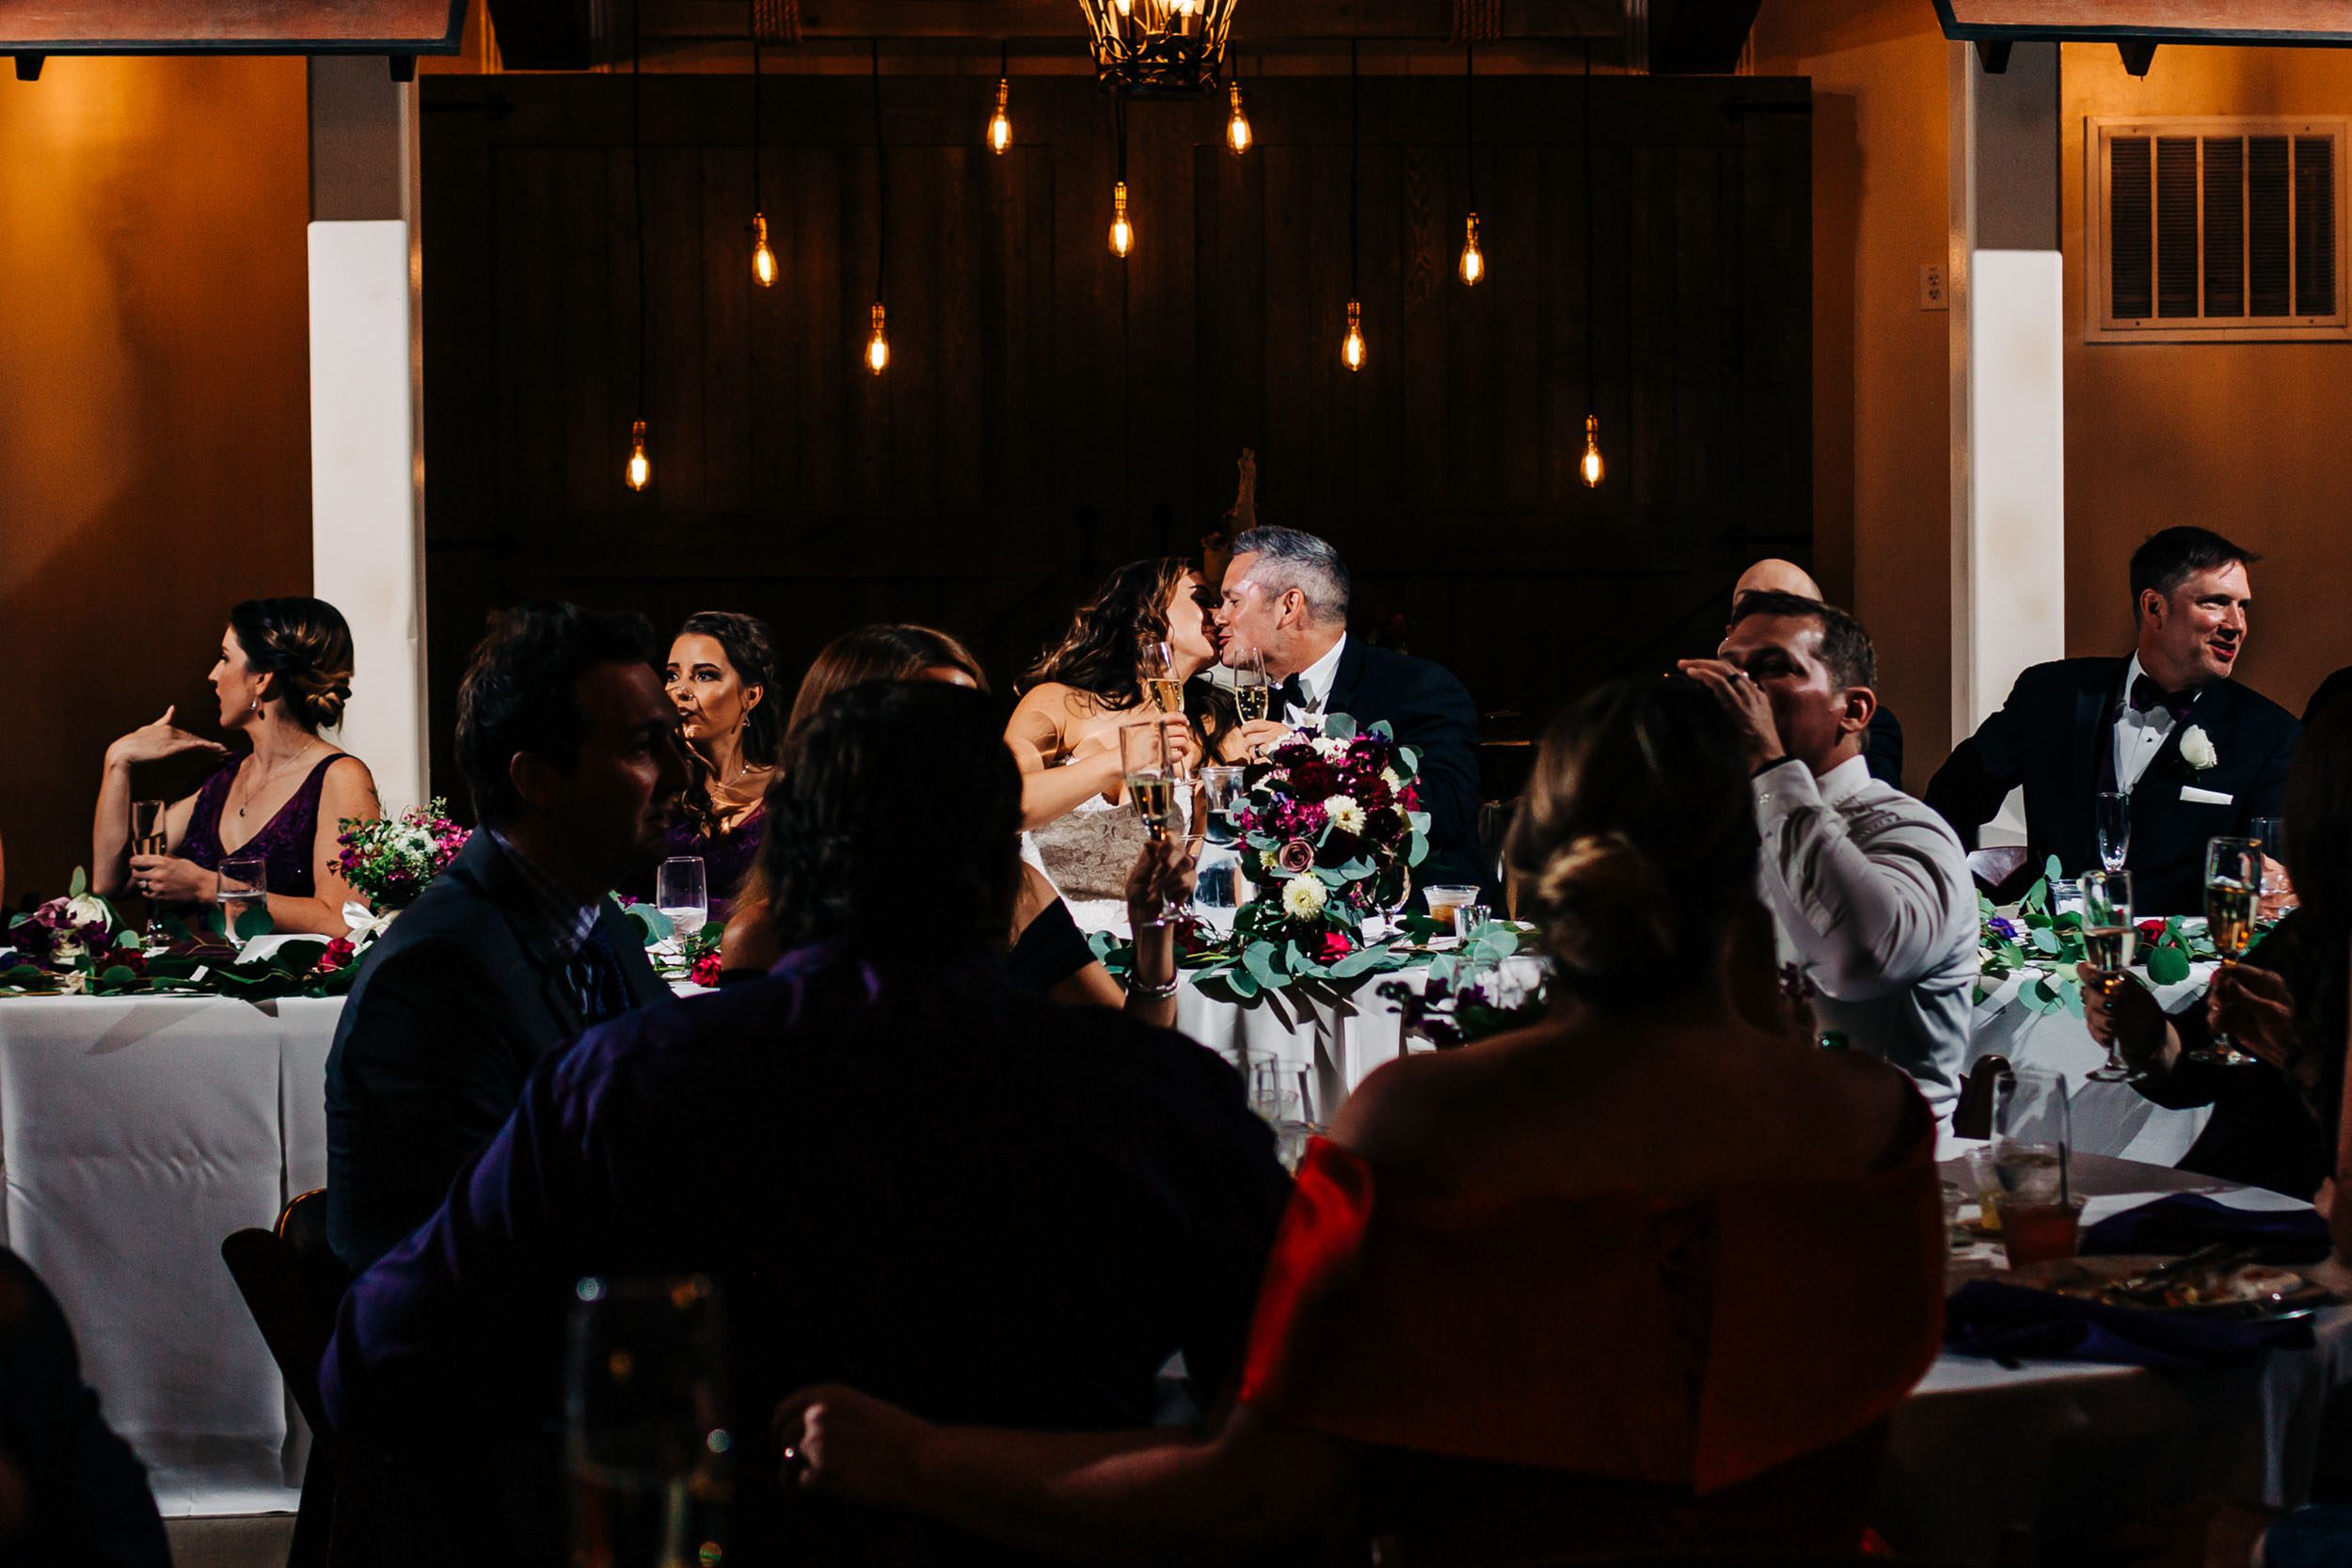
(2147, 695)
(1294, 692)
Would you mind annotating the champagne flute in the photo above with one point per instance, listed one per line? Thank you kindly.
(2108, 938)
(681, 894)
(1150, 782)
(1159, 678)
(1253, 693)
(2114, 809)
(2233, 889)
(243, 884)
(150, 837)
(646, 1441)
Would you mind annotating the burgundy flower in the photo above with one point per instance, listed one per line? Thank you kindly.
(1316, 780)
(1295, 856)
(337, 954)
(1333, 948)
(706, 971)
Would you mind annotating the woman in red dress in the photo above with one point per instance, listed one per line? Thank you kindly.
(1644, 1275)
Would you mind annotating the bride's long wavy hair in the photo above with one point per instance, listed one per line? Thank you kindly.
(1102, 653)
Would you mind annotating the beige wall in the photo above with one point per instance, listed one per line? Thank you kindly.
(2249, 438)
(1882, 391)
(154, 405)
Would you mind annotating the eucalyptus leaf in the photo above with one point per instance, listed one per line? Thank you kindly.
(79, 884)
(2166, 966)
(1339, 726)
(1256, 959)
(1364, 960)
(2051, 870)
(2045, 940)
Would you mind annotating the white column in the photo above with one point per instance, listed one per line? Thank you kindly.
(367, 467)
(2008, 369)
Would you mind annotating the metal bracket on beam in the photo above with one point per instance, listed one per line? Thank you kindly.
(404, 66)
(2136, 55)
(28, 67)
(1993, 53)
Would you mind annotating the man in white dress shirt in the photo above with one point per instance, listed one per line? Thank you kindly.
(1868, 887)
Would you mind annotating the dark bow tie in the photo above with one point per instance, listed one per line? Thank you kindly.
(2148, 696)
(1293, 693)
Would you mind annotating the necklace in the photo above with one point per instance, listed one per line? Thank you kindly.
(273, 774)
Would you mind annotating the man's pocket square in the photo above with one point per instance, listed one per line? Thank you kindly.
(2196, 797)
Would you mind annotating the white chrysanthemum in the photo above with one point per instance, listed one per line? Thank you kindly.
(1328, 748)
(87, 909)
(1345, 814)
(1303, 895)
(1390, 777)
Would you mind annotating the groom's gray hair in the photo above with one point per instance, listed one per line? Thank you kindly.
(1290, 558)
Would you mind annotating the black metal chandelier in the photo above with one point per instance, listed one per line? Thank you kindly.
(1159, 48)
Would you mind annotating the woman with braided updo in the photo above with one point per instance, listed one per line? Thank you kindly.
(719, 675)
(284, 675)
(1644, 1276)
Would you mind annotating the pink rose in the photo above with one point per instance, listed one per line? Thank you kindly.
(706, 971)
(1294, 856)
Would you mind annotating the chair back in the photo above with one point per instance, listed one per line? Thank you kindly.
(291, 1282)
(1972, 1117)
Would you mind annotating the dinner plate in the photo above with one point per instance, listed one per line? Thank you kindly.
(2243, 1291)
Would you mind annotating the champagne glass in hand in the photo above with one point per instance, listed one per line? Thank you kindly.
(148, 837)
(646, 1433)
(2108, 937)
(1143, 763)
(2234, 887)
(2114, 811)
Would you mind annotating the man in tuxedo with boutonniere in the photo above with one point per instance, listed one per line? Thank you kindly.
(1285, 595)
(2200, 755)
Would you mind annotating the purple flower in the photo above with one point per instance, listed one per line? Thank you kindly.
(2003, 929)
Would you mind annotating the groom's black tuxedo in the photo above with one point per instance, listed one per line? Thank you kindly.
(1427, 710)
(2048, 736)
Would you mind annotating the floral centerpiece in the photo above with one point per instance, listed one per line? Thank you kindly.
(2044, 945)
(388, 860)
(79, 945)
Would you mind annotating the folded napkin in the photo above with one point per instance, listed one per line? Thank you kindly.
(2002, 1323)
(2179, 1225)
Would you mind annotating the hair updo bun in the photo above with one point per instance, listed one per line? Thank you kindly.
(307, 645)
(1636, 843)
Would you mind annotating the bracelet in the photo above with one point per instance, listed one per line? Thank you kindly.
(1160, 992)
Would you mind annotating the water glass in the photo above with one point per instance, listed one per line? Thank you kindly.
(2113, 809)
(2233, 890)
(1470, 919)
(1218, 888)
(682, 894)
(2271, 833)
(645, 1436)
(2032, 1152)
(2108, 938)
(244, 888)
(1278, 1093)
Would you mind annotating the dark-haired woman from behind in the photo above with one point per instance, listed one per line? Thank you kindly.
(284, 675)
(1640, 1277)
(720, 672)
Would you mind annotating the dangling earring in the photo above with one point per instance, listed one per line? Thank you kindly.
(254, 706)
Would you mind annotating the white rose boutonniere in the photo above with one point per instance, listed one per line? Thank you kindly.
(2197, 748)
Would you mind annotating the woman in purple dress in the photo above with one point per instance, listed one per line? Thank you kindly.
(284, 673)
(719, 670)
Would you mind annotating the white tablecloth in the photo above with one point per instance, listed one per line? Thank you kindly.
(137, 1134)
(2109, 1119)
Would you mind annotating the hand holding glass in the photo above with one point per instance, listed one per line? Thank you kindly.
(645, 1437)
(149, 836)
(2234, 887)
(2108, 938)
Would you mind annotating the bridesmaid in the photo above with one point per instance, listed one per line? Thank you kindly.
(284, 675)
(719, 673)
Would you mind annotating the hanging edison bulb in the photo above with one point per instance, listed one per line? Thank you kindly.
(1237, 135)
(1590, 465)
(1000, 124)
(1352, 346)
(762, 258)
(878, 346)
(1474, 259)
(640, 470)
(1123, 232)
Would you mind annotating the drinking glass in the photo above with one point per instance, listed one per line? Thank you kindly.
(2114, 811)
(1253, 693)
(1278, 1093)
(2271, 833)
(645, 1435)
(1143, 763)
(681, 894)
(150, 837)
(244, 886)
(1217, 892)
(2233, 889)
(1445, 902)
(2032, 1150)
(2108, 938)
(1470, 919)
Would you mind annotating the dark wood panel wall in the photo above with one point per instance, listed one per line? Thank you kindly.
(1051, 411)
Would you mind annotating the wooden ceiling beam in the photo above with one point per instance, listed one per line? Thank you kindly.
(1255, 21)
(2292, 22)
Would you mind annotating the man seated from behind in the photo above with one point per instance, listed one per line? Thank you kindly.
(899, 1171)
(1869, 888)
(570, 750)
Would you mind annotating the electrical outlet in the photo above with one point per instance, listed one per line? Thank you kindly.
(1931, 295)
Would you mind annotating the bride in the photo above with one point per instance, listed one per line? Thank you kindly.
(1097, 677)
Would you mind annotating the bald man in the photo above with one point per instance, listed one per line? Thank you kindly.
(1882, 745)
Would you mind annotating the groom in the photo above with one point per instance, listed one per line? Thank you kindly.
(2200, 755)
(1285, 595)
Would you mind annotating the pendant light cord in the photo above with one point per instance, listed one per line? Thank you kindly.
(1592, 392)
(755, 202)
(1469, 118)
(1355, 160)
(1119, 131)
(882, 184)
(636, 193)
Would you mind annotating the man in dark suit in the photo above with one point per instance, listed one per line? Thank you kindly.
(1285, 594)
(2199, 755)
(570, 751)
(1883, 743)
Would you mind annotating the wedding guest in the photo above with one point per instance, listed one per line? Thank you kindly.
(570, 751)
(1286, 595)
(720, 669)
(2275, 1121)
(1868, 887)
(1050, 956)
(2335, 688)
(70, 1489)
(284, 675)
(899, 1170)
(1640, 1277)
(1083, 690)
(2200, 755)
(1883, 743)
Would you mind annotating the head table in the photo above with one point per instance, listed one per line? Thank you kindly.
(137, 1132)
